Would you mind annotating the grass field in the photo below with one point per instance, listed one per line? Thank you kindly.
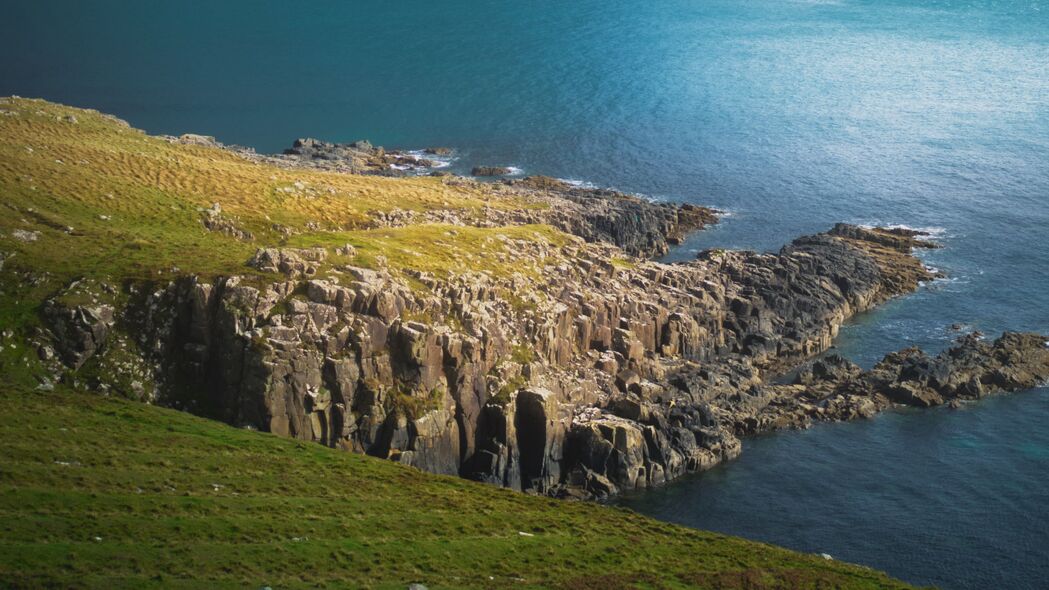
(105, 493)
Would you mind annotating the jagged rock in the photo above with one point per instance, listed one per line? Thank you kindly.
(616, 377)
(435, 443)
(498, 458)
(638, 226)
(359, 157)
(291, 262)
(490, 171)
(829, 368)
(79, 331)
(214, 221)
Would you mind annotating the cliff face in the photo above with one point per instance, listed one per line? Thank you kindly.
(510, 332)
(593, 377)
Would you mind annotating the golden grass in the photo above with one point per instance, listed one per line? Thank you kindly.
(109, 200)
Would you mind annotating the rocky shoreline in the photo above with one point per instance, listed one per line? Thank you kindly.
(603, 371)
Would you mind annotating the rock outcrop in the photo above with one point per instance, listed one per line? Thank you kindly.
(79, 331)
(832, 388)
(590, 379)
(358, 157)
(490, 171)
(639, 226)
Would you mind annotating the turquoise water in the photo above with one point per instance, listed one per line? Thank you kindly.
(791, 115)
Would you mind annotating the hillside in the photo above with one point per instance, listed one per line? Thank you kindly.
(106, 493)
(519, 333)
(103, 228)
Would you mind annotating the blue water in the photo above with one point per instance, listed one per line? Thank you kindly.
(791, 115)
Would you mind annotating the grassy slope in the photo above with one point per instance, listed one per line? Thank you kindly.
(99, 492)
(56, 174)
(75, 467)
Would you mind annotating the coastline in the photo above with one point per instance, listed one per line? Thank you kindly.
(566, 363)
(517, 333)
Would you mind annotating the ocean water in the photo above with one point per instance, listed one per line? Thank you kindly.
(789, 114)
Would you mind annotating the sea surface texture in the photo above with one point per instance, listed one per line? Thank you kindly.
(788, 114)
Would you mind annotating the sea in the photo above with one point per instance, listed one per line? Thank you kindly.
(788, 115)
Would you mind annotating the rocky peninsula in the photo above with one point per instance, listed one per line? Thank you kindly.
(519, 332)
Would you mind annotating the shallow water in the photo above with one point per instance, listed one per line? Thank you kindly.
(790, 114)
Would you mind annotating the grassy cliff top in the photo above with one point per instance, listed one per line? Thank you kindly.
(98, 492)
(84, 194)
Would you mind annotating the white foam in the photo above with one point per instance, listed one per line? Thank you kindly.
(438, 161)
(578, 183)
(514, 171)
(931, 231)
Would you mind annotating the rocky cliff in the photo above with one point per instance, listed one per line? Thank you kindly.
(588, 379)
(513, 332)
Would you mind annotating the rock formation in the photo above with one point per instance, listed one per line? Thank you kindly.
(600, 371)
(490, 171)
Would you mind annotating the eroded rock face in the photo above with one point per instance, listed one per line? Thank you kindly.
(359, 157)
(79, 331)
(540, 424)
(586, 380)
(638, 226)
(617, 391)
(80, 319)
(291, 262)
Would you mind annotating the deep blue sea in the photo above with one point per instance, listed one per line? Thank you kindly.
(789, 114)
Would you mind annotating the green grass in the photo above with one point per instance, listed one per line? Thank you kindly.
(106, 493)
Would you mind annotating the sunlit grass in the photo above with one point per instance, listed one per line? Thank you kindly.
(108, 200)
(99, 492)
